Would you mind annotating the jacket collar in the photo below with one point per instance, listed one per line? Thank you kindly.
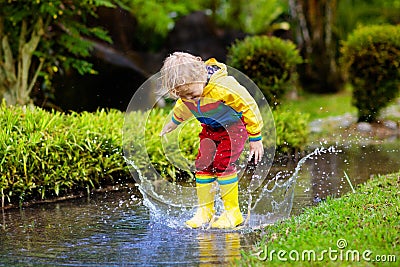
(222, 72)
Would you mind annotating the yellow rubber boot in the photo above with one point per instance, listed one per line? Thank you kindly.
(205, 211)
(232, 216)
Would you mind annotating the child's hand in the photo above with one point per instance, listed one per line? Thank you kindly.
(169, 127)
(256, 149)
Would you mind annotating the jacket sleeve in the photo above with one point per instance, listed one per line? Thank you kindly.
(180, 112)
(237, 97)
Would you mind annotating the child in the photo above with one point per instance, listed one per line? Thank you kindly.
(229, 116)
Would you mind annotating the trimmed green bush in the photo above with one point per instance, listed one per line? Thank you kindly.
(269, 61)
(49, 154)
(292, 131)
(371, 58)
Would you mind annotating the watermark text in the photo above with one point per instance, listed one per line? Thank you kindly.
(338, 253)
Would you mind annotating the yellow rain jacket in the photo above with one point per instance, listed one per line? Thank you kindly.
(223, 102)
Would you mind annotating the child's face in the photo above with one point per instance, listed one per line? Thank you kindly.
(190, 91)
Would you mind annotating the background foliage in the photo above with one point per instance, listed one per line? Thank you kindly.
(352, 14)
(63, 31)
(371, 56)
(268, 61)
(41, 38)
(251, 17)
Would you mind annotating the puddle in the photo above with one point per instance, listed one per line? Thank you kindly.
(118, 229)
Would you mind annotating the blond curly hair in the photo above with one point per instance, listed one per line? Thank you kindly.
(181, 68)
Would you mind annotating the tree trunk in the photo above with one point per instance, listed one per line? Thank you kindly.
(15, 81)
(315, 20)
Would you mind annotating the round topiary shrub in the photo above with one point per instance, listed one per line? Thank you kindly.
(371, 59)
(269, 61)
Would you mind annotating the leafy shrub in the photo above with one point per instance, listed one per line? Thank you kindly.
(291, 131)
(269, 61)
(48, 154)
(371, 57)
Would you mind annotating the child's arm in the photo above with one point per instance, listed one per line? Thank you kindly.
(180, 114)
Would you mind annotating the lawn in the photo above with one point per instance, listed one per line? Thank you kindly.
(322, 106)
(358, 229)
(332, 117)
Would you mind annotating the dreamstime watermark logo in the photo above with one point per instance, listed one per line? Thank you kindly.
(338, 253)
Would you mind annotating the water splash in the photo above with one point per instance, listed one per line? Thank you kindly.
(265, 201)
(274, 200)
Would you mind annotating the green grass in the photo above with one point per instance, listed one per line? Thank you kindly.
(334, 117)
(322, 106)
(368, 220)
